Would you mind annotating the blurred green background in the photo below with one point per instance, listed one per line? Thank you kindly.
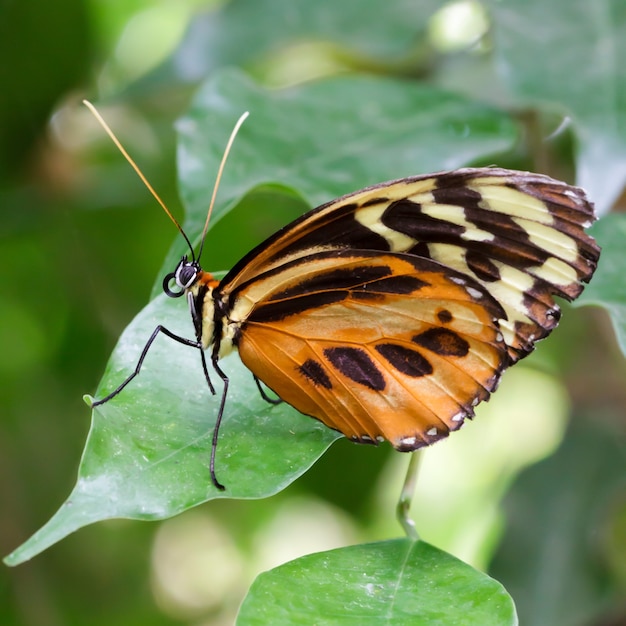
(535, 498)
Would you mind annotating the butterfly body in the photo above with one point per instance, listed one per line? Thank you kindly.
(390, 313)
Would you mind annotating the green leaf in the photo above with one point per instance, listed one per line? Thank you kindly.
(392, 582)
(327, 138)
(568, 54)
(322, 140)
(608, 289)
(554, 557)
(356, 27)
(147, 453)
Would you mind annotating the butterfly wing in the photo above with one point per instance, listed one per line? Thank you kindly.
(391, 312)
(378, 346)
(520, 235)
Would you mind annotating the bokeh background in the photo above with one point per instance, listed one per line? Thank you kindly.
(536, 497)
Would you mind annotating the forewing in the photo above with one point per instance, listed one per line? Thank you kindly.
(520, 235)
(377, 346)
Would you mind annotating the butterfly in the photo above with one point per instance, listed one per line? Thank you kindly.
(391, 312)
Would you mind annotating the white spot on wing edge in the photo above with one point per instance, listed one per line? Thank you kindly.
(475, 293)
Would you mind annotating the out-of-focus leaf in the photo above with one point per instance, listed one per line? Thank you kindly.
(551, 556)
(392, 582)
(361, 27)
(608, 288)
(568, 54)
(45, 50)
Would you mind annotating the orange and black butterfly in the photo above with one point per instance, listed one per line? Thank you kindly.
(390, 313)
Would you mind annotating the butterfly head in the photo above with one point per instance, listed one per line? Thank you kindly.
(185, 275)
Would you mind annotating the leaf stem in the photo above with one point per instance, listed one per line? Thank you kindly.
(406, 497)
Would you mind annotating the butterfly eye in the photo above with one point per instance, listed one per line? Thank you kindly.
(184, 276)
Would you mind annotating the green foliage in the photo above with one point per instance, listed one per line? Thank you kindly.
(581, 75)
(146, 454)
(328, 138)
(553, 553)
(393, 105)
(29, 87)
(392, 582)
(608, 288)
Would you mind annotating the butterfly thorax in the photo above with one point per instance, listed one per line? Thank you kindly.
(197, 286)
(202, 307)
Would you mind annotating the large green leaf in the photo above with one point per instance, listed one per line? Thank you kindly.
(608, 288)
(392, 582)
(326, 138)
(568, 54)
(147, 452)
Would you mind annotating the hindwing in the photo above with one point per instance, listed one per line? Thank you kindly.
(377, 346)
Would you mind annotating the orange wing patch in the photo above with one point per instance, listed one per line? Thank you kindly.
(377, 346)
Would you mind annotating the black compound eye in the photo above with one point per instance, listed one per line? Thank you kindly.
(186, 275)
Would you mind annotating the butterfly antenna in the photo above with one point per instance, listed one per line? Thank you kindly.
(144, 180)
(233, 134)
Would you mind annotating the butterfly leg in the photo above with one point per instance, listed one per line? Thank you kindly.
(159, 329)
(218, 421)
(263, 394)
(205, 369)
